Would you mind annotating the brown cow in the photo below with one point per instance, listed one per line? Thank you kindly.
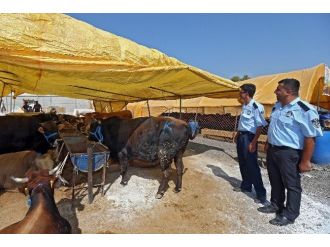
(43, 215)
(17, 164)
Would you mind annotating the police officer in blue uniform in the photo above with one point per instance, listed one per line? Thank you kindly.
(249, 129)
(293, 126)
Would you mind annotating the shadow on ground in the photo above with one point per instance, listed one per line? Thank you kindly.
(234, 182)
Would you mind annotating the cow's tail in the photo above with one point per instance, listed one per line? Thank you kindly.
(193, 129)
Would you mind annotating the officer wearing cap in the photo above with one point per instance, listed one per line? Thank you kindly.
(250, 126)
(293, 126)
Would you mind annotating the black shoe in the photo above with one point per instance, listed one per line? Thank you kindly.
(281, 221)
(269, 209)
(261, 200)
(238, 189)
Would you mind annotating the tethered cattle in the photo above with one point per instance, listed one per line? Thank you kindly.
(147, 141)
(43, 215)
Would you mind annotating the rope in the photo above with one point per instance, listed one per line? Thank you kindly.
(49, 136)
(97, 134)
(60, 170)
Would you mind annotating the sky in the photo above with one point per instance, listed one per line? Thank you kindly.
(227, 44)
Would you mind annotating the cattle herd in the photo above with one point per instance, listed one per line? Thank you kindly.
(28, 158)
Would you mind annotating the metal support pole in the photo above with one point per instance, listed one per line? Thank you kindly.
(111, 106)
(90, 173)
(148, 107)
(196, 114)
(73, 184)
(180, 106)
(104, 173)
(3, 89)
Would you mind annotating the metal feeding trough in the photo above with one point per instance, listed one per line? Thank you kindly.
(86, 157)
(77, 147)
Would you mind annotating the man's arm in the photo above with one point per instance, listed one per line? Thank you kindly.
(305, 164)
(235, 135)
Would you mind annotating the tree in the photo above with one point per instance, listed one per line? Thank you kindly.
(245, 77)
(237, 78)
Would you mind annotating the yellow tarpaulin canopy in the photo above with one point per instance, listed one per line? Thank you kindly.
(59, 55)
(311, 89)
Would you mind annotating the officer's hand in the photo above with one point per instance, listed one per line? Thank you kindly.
(235, 137)
(305, 166)
(252, 147)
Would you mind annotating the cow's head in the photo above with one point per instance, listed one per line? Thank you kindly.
(49, 130)
(95, 131)
(194, 128)
(88, 120)
(37, 181)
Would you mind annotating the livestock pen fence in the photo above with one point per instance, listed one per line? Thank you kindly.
(219, 126)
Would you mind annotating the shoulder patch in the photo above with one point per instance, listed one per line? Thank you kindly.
(316, 123)
(255, 106)
(303, 106)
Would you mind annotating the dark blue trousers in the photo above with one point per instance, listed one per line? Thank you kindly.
(248, 164)
(283, 172)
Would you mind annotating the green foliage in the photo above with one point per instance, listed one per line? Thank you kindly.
(237, 78)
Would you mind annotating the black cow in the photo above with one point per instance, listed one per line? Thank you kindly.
(42, 117)
(19, 133)
(147, 141)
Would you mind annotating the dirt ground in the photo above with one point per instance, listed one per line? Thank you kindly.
(206, 204)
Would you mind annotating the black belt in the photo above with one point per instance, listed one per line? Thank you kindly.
(282, 147)
(245, 133)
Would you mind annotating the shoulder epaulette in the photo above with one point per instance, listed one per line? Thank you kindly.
(255, 105)
(303, 106)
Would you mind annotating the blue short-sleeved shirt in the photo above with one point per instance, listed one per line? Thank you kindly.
(252, 117)
(289, 125)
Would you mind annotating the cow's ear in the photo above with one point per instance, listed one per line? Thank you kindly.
(60, 126)
(41, 130)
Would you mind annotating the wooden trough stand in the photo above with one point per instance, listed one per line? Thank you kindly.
(86, 157)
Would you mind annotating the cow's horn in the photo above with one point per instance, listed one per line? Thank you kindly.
(52, 172)
(20, 180)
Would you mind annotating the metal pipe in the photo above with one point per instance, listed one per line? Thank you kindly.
(162, 90)
(90, 172)
(103, 91)
(148, 107)
(180, 106)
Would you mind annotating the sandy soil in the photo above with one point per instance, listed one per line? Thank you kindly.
(206, 204)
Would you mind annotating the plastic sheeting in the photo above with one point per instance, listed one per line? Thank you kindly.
(59, 55)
